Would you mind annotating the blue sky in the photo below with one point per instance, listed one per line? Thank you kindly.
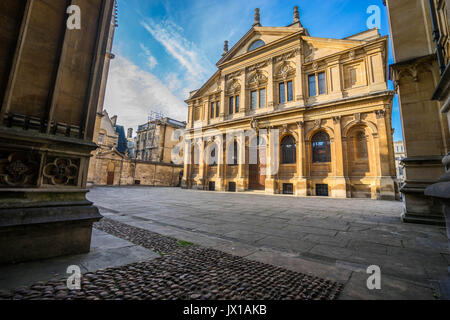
(165, 49)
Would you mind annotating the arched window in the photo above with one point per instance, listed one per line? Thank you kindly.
(213, 160)
(360, 144)
(288, 150)
(255, 45)
(321, 148)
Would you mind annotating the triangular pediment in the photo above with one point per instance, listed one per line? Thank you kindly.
(211, 87)
(317, 48)
(112, 155)
(267, 35)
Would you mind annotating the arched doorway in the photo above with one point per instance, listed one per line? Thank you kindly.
(257, 166)
(110, 175)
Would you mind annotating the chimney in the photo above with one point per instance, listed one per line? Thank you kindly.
(114, 120)
(296, 15)
(257, 22)
(225, 48)
(130, 133)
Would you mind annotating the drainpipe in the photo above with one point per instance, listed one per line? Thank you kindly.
(437, 36)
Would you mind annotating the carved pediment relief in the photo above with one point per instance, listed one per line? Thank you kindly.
(285, 70)
(257, 78)
(233, 87)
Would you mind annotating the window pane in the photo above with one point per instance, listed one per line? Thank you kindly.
(312, 85)
(212, 110)
(217, 109)
(262, 98)
(322, 83)
(290, 89)
(231, 106)
(282, 91)
(321, 148)
(254, 99)
(288, 150)
(237, 104)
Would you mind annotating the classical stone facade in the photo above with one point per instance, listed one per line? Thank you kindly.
(420, 32)
(50, 79)
(320, 108)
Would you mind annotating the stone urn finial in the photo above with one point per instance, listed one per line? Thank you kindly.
(257, 22)
(296, 14)
(225, 48)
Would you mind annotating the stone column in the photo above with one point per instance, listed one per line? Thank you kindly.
(222, 98)
(201, 165)
(220, 182)
(385, 183)
(272, 158)
(185, 183)
(270, 91)
(241, 182)
(46, 141)
(299, 84)
(339, 186)
(301, 184)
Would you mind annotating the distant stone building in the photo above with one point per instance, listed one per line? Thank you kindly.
(154, 140)
(113, 163)
(399, 150)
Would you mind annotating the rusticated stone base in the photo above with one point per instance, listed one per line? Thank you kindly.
(34, 225)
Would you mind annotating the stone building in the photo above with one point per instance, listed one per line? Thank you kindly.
(322, 104)
(112, 165)
(420, 39)
(399, 151)
(50, 78)
(154, 140)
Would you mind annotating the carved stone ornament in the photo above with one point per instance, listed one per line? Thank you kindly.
(337, 119)
(234, 87)
(257, 78)
(61, 172)
(255, 124)
(318, 123)
(380, 114)
(19, 170)
(357, 117)
(234, 75)
(285, 71)
(287, 55)
(300, 124)
(257, 66)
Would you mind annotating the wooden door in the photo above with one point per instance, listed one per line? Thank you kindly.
(257, 178)
(110, 178)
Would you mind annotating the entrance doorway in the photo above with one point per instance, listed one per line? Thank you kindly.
(257, 176)
(110, 176)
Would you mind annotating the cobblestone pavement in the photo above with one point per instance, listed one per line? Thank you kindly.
(184, 271)
(336, 239)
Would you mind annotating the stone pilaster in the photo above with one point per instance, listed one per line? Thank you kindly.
(272, 161)
(301, 182)
(339, 186)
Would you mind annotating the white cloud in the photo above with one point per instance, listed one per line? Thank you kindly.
(132, 93)
(151, 60)
(169, 35)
